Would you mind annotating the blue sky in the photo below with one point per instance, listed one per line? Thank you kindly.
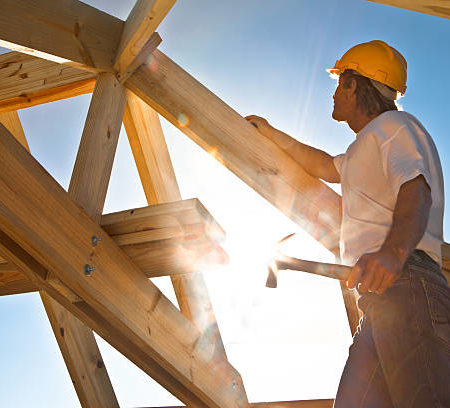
(261, 57)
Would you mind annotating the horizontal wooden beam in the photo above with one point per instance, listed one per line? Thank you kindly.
(48, 237)
(164, 239)
(221, 131)
(324, 403)
(28, 81)
(13, 282)
(143, 20)
(64, 31)
(437, 8)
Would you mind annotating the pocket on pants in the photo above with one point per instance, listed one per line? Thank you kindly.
(438, 298)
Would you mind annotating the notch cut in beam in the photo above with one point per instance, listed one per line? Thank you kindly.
(49, 237)
(139, 28)
(28, 81)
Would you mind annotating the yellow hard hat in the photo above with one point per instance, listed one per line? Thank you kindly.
(375, 60)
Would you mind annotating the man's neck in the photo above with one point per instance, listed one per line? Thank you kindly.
(359, 121)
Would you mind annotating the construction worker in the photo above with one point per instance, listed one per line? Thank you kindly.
(391, 235)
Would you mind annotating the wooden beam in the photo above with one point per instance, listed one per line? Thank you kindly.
(13, 282)
(143, 20)
(142, 58)
(241, 148)
(48, 236)
(324, 403)
(437, 8)
(88, 186)
(165, 239)
(150, 152)
(28, 81)
(63, 31)
(160, 185)
(219, 130)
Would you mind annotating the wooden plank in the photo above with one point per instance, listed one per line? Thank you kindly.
(150, 152)
(241, 148)
(159, 182)
(13, 282)
(143, 20)
(28, 81)
(222, 132)
(324, 403)
(48, 236)
(142, 58)
(63, 31)
(437, 8)
(165, 239)
(88, 186)
(168, 239)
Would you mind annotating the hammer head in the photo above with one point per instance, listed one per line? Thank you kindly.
(272, 275)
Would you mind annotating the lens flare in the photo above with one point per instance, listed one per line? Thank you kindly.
(152, 63)
(183, 120)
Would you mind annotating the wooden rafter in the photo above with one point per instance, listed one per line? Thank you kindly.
(437, 8)
(166, 239)
(65, 31)
(222, 132)
(48, 236)
(160, 185)
(28, 81)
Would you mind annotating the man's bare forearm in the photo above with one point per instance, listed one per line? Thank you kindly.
(410, 217)
(315, 161)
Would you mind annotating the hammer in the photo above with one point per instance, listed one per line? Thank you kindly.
(283, 262)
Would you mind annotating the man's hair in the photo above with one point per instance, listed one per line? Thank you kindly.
(368, 98)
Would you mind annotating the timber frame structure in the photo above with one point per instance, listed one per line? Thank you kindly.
(91, 269)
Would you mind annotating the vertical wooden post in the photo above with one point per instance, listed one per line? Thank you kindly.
(88, 187)
(158, 179)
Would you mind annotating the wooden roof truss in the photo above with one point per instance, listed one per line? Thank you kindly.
(91, 269)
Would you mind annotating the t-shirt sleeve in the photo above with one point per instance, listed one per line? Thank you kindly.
(337, 161)
(404, 158)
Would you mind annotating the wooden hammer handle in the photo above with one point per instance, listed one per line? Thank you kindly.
(334, 271)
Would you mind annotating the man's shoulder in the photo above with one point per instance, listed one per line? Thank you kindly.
(388, 124)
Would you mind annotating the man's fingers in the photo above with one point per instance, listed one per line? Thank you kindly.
(354, 276)
(377, 281)
(366, 280)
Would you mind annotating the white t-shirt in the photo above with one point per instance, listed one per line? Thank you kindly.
(389, 151)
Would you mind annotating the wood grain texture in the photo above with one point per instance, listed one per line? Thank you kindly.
(239, 146)
(13, 282)
(159, 182)
(90, 177)
(165, 239)
(88, 186)
(437, 8)
(76, 341)
(47, 235)
(28, 81)
(67, 31)
(143, 20)
(150, 151)
(324, 403)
